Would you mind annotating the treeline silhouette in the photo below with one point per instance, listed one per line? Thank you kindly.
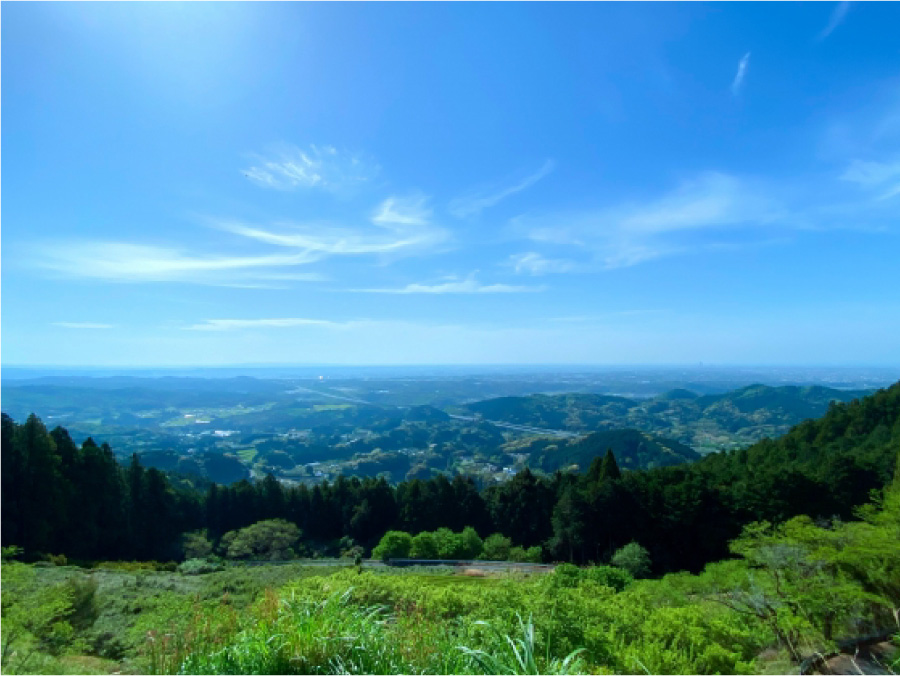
(62, 498)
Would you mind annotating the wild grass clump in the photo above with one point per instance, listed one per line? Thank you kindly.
(335, 636)
(508, 655)
(297, 636)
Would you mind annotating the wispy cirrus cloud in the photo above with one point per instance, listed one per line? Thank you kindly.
(741, 73)
(477, 201)
(402, 227)
(882, 177)
(83, 325)
(399, 226)
(316, 167)
(240, 324)
(838, 14)
(126, 262)
(675, 223)
(402, 211)
(455, 285)
(535, 264)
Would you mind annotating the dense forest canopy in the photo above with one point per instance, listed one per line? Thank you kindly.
(63, 498)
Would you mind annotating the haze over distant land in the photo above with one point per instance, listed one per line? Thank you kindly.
(218, 184)
(631, 379)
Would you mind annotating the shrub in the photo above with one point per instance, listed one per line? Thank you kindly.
(82, 594)
(471, 544)
(424, 546)
(34, 619)
(448, 543)
(273, 539)
(128, 566)
(522, 555)
(566, 575)
(197, 545)
(395, 544)
(633, 558)
(609, 576)
(199, 567)
(496, 547)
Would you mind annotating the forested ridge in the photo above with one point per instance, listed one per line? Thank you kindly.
(61, 498)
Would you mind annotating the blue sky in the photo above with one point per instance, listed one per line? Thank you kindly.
(450, 183)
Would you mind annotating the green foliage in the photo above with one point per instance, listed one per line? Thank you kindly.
(10, 553)
(196, 545)
(445, 544)
(522, 555)
(566, 575)
(632, 558)
(199, 567)
(518, 656)
(471, 545)
(136, 566)
(570, 610)
(35, 619)
(496, 548)
(394, 545)
(273, 539)
(424, 546)
(448, 543)
(330, 636)
(608, 576)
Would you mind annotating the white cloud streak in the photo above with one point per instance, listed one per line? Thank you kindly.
(474, 203)
(83, 325)
(741, 73)
(535, 264)
(317, 167)
(871, 174)
(125, 262)
(629, 234)
(838, 14)
(400, 226)
(243, 324)
(453, 285)
(403, 227)
(883, 177)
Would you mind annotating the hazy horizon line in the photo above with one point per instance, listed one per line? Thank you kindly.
(452, 365)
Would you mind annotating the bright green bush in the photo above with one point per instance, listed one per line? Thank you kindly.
(608, 576)
(633, 558)
(471, 544)
(424, 546)
(395, 544)
(496, 547)
(35, 621)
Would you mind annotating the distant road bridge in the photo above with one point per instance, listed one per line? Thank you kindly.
(563, 434)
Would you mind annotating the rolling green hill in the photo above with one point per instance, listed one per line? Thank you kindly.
(706, 423)
(633, 450)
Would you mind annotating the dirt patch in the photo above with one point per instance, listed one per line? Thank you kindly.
(871, 659)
